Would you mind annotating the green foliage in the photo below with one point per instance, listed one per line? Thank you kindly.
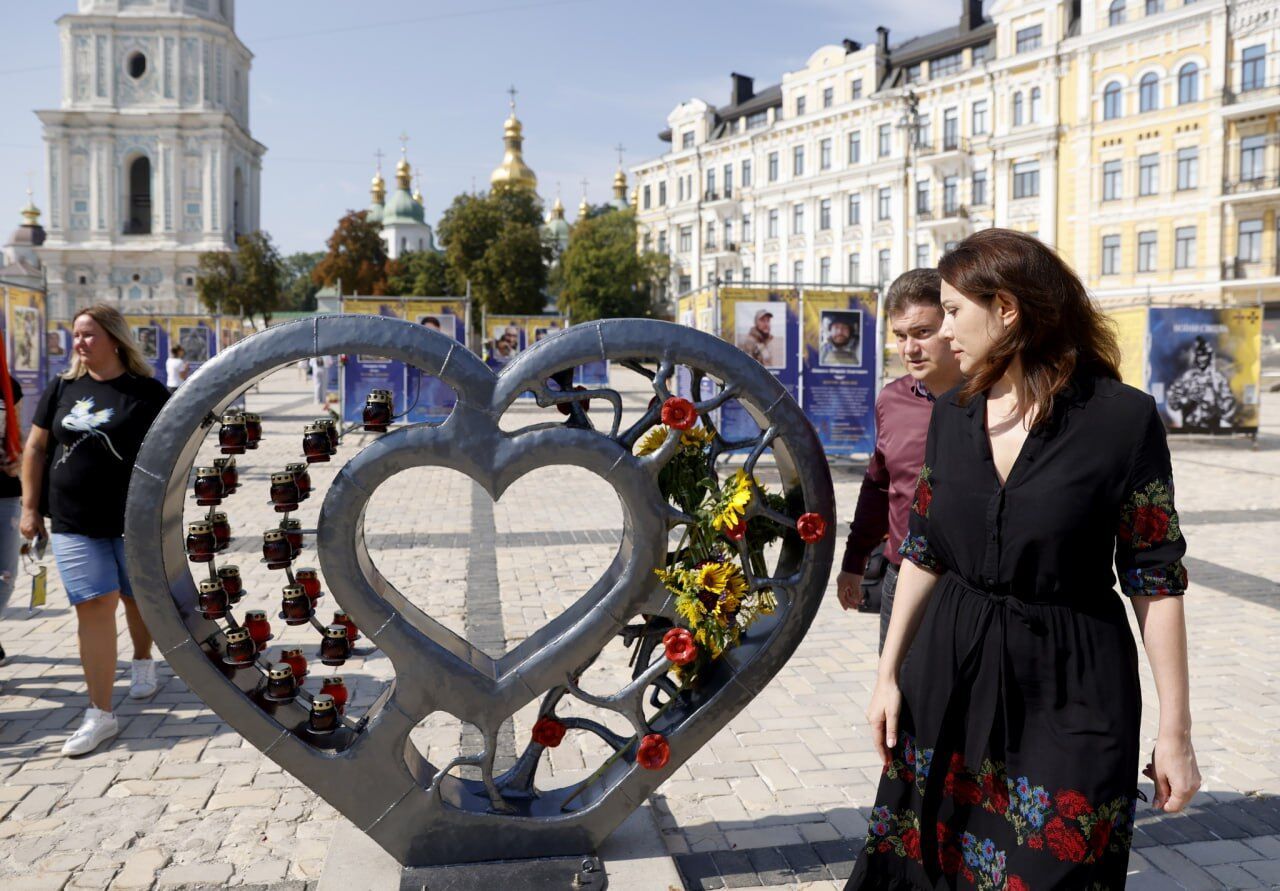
(246, 282)
(357, 256)
(494, 241)
(602, 276)
(299, 288)
(420, 274)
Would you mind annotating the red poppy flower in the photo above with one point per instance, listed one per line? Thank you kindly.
(1071, 804)
(1150, 523)
(547, 731)
(679, 413)
(680, 646)
(738, 532)
(1015, 883)
(811, 527)
(911, 842)
(1065, 841)
(1035, 842)
(654, 752)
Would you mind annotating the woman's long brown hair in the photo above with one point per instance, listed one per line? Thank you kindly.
(1059, 330)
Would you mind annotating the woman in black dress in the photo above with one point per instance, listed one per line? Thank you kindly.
(1011, 739)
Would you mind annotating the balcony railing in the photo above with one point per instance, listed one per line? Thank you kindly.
(1236, 268)
(1255, 184)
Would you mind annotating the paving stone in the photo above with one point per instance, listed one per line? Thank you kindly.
(140, 869)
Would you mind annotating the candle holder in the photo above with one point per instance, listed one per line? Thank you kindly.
(293, 534)
(301, 477)
(213, 600)
(231, 582)
(233, 435)
(335, 649)
(276, 552)
(282, 686)
(324, 715)
(221, 531)
(241, 650)
(208, 486)
(200, 541)
(340, 617)
(284, 492)
(255, 622)
(331, 428)
(230, 476)
(315, 443)
(309, 579)
(252, 429)
(295, 660)
(295, 606)
(336, 687)
(377, 411)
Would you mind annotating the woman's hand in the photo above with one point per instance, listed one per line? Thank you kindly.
(1174, 772)
(32, 524)
(849, 590)
(882, 715)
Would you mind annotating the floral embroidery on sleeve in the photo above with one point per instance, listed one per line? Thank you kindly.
(916, 549)
(924, 492)
(1148, 518)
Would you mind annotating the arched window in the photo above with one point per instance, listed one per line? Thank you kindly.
(1154, 6)
(1112, 102)
(139, 205)
(1115, 15)
(1188, 83)
(1035, 105)
(1149, 92)
(1017, 109)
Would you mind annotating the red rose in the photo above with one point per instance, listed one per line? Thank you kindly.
(738, 532)
(1065, 841)
(884, 847)
(924, 494)
(1099, 837)
(1071, 804)
(944, 833)
(680, 646)
(1035, 842)
(547, 731)
(1150, 523)
(967, 791)
(679, 413)
(1014, 883)
(911, 841)
(811, 527)
(654, 752)
(950, 859)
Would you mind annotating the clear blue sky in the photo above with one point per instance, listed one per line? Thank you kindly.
(334, 81)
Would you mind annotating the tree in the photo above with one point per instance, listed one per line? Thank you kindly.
(602, 276)
(357, 256)
(299, 288)
(245, 282)
(420, 274)
(494, 241)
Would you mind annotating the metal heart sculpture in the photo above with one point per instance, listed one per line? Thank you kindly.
(422, 813)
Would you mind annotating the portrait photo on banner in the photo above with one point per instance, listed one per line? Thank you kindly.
(445, 323)
(54, 344)
(194, 341)
(26, 338)
(506, 342)
(148, 340)
(840, 343)
(760, 331)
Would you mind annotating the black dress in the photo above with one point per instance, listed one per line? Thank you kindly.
(1017, 761)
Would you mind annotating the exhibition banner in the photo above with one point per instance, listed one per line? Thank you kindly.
(1131, 333)
(25, 345)
(362, 373)
(839, 368)
(1205, 368)
(151, 334)
(765, 324)
(57, 339)
(429, 400)
(197, 338)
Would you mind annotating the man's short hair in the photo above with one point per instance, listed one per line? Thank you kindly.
(917, 287)
(175, 350)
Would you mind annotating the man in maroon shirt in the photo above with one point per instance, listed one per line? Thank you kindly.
(903, 408)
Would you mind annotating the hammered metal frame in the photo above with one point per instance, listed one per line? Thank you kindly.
(422, 813)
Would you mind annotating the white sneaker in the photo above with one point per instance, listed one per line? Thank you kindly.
(144, 679)
(98, 727)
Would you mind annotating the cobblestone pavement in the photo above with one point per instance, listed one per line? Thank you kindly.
(179, 800)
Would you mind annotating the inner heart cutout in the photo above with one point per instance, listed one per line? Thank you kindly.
(422, 812)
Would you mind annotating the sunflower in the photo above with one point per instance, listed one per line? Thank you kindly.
(733, 501)
(694, 439)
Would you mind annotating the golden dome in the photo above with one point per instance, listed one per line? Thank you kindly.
(31, 213)
(403, 174)
(513, 171)
(635, 198)
(583, 208)
(378, 188)
(620, 185)
(557, 209)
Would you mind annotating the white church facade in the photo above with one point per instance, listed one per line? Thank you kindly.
(149, 157)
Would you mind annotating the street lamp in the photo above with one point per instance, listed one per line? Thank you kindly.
(909, 120)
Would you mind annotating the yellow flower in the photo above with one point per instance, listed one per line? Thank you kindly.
(733, 501)
(651, 441)
(694, 439)
(690, 609)
(714, 577)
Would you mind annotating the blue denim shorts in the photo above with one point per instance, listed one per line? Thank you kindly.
(90, 567)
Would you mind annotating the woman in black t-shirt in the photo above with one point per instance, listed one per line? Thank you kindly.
(89, 425)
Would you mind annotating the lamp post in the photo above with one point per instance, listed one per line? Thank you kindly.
(909, 120)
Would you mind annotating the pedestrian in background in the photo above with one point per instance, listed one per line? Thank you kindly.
(89, 427)
(176, 368)
(10, 485)
(914, 309)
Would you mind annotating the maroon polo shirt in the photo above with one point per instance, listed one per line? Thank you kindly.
(902, 423)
